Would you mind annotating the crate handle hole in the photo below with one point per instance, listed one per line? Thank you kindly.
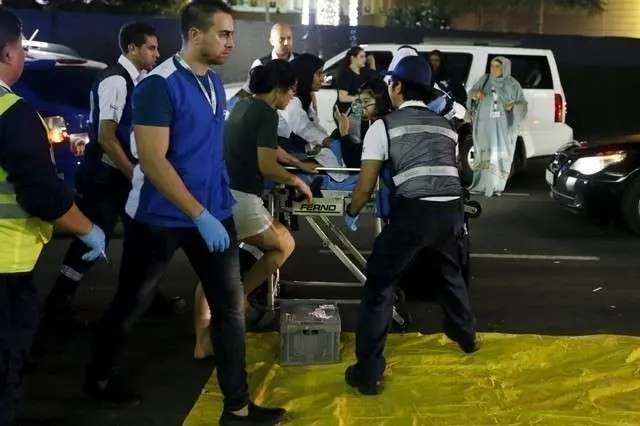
(310, 332)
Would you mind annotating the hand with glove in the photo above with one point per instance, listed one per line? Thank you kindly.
(351, 220)
(95, 240)
(212, 231)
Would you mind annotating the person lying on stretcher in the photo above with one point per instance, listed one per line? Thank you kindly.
(298, 128)
(252, 155)
(372, 102)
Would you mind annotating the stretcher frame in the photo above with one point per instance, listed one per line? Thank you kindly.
(324, 229)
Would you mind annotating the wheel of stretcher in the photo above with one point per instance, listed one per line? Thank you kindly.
(259, 317)
(473, 209)
(401, 320)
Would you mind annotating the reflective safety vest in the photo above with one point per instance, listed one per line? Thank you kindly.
(22, 237)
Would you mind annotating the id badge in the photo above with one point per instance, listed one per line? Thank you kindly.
(495, 114)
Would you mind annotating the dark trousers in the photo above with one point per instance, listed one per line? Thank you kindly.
(18, 323)
(102, 195)
(145, 257)
(415, 226)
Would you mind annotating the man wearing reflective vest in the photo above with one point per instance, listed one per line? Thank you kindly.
(32, 200)
(417, 148)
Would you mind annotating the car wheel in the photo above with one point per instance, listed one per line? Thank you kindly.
(630, 206)
(467, 154)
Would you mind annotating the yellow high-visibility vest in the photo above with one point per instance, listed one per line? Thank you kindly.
(22, 237)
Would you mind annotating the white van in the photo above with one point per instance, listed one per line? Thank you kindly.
(542, 132)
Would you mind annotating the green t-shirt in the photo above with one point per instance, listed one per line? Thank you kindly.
(251, 124)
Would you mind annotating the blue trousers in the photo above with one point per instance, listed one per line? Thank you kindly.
(414, 226)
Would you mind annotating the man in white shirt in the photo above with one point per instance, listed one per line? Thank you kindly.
(413, 149)
(103, 181)
(281, 39)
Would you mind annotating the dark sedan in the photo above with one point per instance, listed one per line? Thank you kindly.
(600, 178)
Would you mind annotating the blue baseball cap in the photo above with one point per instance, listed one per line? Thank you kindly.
(412, 69)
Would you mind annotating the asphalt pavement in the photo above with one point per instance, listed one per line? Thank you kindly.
(536, 269)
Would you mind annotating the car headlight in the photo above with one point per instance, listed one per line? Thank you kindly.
(57, 129)
(597, 163)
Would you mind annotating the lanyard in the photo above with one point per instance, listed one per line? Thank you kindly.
(210, 96)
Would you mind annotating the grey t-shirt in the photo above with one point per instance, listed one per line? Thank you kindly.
(250, 125)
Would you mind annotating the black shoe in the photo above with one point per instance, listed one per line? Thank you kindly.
(352, 379)
(63, 319)
(467, 345)
(258, 416)
(115, 391)
(166, 306)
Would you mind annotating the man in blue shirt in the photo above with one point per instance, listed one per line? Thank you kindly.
(180, 198)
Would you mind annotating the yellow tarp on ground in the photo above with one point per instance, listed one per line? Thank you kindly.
(512, 380)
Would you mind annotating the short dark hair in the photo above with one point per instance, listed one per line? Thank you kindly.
(197, 14)
(277, 74)
(135, 33)
(10, 27)
(412, 91)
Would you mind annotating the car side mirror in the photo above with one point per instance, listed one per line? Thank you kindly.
(327, 81)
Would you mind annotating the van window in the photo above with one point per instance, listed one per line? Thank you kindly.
(531, 71)
(382, 58)
(456, 65)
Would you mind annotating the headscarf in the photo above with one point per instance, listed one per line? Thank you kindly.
(508, 90)
(506, 77)
(304, 67)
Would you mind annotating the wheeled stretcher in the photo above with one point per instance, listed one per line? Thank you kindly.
(331, 198)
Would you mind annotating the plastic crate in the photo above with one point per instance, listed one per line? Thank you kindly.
(309, 334)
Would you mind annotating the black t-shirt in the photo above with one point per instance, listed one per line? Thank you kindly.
(351, 82)
(251, 124)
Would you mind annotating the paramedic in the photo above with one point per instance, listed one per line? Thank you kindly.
(104, 179)
(418, 148)
(32, 200)
(180, 198)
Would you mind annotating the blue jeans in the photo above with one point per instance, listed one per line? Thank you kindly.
(146, 254)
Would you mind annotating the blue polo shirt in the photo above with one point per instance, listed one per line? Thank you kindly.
(171, 96)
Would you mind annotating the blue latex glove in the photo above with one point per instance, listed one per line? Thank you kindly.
(95, 240)
(351, 222)
(213, 232)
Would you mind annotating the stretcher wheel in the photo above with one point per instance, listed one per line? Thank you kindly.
(400, 297)
(401, 320)
(473, 209)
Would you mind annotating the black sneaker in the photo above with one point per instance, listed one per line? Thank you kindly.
(167, 306)
(467, 345)
(258, 416)
(116, 391)
(365, 388)
(64, 320)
